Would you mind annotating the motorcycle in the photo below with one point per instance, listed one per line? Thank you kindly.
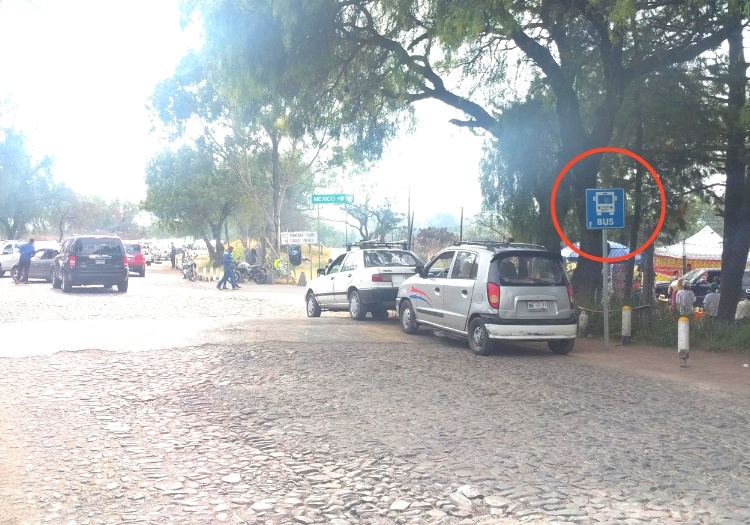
(247, 272)
(189, 268)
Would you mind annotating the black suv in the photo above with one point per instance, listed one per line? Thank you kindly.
(700, 282)
(91, 260)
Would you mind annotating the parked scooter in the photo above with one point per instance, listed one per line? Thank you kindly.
(189, 268)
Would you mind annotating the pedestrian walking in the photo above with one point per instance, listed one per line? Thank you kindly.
(711, 302)
(173, 255)
(226, 260)
(26, 251)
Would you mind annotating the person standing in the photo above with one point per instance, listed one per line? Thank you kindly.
(226, 260)
(711, 302)
(173, 255)
(685, 299)
(26, 251)
(251, 257)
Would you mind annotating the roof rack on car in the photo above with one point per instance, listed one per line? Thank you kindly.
(502, 244)
(404, 245)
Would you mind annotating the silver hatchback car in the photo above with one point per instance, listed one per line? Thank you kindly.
(492, 292)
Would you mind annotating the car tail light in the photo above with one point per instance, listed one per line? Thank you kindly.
(124, 260)
(72, 261)
(570, 295)
(381, 278)
(493, 294)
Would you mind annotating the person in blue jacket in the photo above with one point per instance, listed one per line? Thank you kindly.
(26, 251)
(226, 260)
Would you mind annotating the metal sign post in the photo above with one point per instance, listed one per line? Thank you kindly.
(605, 291)
(605, 209)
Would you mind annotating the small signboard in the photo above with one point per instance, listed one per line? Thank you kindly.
(288, 238)
(333, 198)
(605, 208)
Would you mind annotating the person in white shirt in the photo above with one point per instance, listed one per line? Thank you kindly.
(711, 302)
(685, 300)
(743, 311)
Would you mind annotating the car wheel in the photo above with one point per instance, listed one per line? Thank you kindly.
(408, 318)
(122, 287)
(313, 308)
(379, 313)
(562, 346)
(2, 273)
(15, 274)
(148, 264)
(357, 310)
(51, 275)
(142, 273)
(66, 286)
(56, 283)
(479, 340)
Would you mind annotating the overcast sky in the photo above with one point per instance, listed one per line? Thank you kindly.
(78, 74)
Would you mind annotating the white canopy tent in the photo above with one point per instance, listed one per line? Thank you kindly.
(704, 245)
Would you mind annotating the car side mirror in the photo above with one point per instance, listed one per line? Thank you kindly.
(419, 269)
(321, 271)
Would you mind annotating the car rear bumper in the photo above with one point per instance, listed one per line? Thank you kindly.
(104, 278)
(537, 331)
(384, 296)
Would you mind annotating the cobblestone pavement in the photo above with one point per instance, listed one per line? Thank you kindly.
(288, 420)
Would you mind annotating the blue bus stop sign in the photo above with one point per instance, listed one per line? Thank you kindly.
(605, 208)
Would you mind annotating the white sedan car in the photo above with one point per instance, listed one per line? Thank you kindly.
(362, 280)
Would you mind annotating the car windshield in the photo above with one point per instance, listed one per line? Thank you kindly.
(542, 270)
(132, 248)
(98, 247)
(377, 258)
(692, 274)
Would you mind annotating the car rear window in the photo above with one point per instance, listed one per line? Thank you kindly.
(133, 248)
(375, 258)
(98, 247)
(528, 270)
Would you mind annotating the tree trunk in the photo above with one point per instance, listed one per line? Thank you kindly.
(216, 232)
(276, 188)
(635, 223)
(737, 196)
(209, 246)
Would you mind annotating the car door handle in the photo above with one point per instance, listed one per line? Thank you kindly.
(464, 293)
(437, 290)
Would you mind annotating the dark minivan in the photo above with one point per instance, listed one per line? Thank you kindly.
(91, 260)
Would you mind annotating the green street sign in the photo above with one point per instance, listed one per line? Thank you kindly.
(333, 198)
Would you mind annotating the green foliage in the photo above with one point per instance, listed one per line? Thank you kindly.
(189, 192)
(24, 184)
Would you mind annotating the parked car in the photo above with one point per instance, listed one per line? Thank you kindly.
(148, 254)
(490, 292)
(700, 282)
(9, 255)
(40, 266)
(363, 279)
(91, 260)
(136, 258)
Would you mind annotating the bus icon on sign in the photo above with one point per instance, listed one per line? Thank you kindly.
(605, 202)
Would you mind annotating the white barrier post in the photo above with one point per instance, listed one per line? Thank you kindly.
(626, 318)
(583, 323)
(683, 340)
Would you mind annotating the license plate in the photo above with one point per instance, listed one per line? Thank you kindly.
(99, 261)
(537, 306)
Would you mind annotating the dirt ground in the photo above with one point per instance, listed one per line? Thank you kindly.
(729, 372)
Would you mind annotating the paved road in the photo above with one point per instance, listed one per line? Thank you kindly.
(184, 404)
